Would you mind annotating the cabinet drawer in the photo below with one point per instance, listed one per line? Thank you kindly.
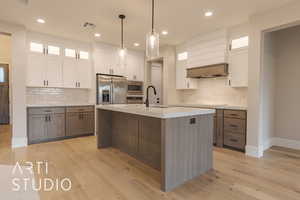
(42, 111)
(235, 125)
(80, 109)
(235, 114)
(234, 140)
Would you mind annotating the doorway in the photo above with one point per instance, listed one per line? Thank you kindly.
(4, 94)
(156, 81)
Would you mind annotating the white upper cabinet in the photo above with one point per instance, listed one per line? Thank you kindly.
(54, 68)
(84, 71)
(70, 72)
(135, 66)
(36, 66)
(44, 69)
(53, 62)
(182, 82)
(238, 56)
(105, 59)
(238, 68)
(77, 69)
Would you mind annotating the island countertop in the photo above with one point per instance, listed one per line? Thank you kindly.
(162, 112)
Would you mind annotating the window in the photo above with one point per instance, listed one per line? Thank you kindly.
(2, 79)
(182, 56)
(53, 50)
(83, 55)
(70, 53)
(240, 43)
(36, 47)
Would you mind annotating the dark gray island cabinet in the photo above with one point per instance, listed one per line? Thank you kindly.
(176, 141)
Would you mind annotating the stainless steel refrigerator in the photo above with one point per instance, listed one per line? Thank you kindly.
(111, 89)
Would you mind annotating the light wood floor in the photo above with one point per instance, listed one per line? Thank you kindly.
(109, 174)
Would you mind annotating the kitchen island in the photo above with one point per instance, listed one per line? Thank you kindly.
(176, 141)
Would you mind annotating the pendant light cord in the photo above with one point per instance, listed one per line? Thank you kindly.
(122, 33)
(122, 17)
(152, 16)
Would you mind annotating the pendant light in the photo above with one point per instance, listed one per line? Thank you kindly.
(122, 50)
(152, 40)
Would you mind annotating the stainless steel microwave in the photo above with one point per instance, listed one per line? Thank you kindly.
(135, 88)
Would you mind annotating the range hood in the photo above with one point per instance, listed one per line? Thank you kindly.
(208, 71)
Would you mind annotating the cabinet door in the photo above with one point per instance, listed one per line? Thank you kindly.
(141, 68)
(74, 124)
(180, 75)
(238, 68)
(102, 62)
(135, 67)
(56, 126)
(130, 68)
(54, 71)
(84, 74)
(70, 72)
(36, 70)
(149, 145)
(37, 129)
(88, 122)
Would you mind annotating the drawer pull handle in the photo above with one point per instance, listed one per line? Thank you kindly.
(233, 126)
(233, 140)
(48, 111)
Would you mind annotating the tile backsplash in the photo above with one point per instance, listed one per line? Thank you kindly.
(56, 96)
(215, 91)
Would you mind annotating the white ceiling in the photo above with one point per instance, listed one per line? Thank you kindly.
(182, 18)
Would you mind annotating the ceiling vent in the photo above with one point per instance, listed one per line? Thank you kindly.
(24, 2)
(89, 25)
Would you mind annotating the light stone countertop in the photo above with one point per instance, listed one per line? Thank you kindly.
(163, 112)
(228, 107)
(58, 105)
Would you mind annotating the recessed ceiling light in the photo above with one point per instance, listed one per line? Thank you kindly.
(97, 34)
(41, 21)
(165, 32)
(136, 44)
(209, 14)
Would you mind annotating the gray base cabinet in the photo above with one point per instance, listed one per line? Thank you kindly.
(80, 121)
(230, 129)
(54, 123)
(138, 136)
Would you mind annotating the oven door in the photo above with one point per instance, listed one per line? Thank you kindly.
(135, 100)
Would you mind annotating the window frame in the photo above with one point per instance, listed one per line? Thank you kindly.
(35, 51)
(241, 47)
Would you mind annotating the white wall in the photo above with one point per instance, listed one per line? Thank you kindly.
(268, 89)
(286, 15)
(287, 104)
(18, 76)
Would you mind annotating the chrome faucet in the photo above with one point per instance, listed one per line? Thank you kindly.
(147, 94)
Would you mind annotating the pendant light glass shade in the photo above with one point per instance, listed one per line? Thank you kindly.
(122, 52)
(152, 45)
(152, 40)
(122, 55)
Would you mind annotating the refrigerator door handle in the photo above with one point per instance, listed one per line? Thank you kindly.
(111, 93)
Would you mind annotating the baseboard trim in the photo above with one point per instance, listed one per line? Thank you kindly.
(18, 142)
(282, 142)
(254, 151)
(268, 144)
